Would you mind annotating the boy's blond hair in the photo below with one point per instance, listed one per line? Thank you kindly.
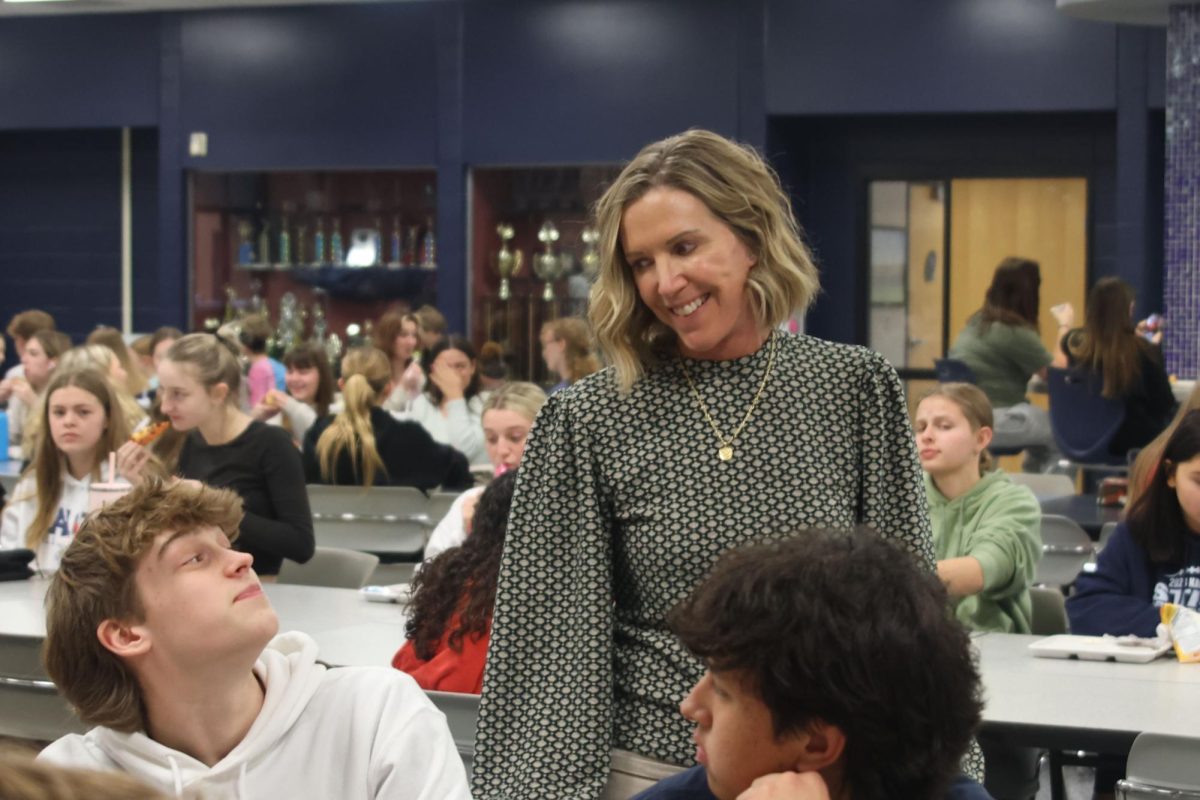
(95, 582)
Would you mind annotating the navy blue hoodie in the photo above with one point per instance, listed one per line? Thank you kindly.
(1125, 592)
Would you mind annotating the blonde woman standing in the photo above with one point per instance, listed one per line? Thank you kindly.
(711, 429)
(364, 445)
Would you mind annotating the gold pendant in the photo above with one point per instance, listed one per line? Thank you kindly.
(725, 453)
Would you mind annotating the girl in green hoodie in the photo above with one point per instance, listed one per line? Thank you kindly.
(986, 529)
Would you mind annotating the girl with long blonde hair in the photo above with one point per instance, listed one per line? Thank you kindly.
(366, 446)
(83, 423)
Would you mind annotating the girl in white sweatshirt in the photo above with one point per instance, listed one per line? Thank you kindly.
(82, 416)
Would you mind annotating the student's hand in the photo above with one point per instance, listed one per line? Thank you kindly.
(468, 511)
(24, 392)
(787, 786)
(447, 380)
(410, 381)
(131, 462)
(272, 404)
(1064, 314)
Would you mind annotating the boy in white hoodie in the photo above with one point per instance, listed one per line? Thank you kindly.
(155, 633)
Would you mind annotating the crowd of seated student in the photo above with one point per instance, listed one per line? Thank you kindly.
(450, 614)
(1002, 347)
(508, 417)
(1131, 367)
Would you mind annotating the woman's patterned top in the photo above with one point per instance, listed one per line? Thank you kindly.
(621, 510)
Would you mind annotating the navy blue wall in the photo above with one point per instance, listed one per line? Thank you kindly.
(60, 226)
(79, 72)
(311, 87)
(454, 83)
(875, 56)
(562, 82)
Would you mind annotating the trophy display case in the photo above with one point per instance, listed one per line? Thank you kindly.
(321, 253)
(532, 255)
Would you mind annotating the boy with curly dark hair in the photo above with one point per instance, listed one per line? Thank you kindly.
(834, 670)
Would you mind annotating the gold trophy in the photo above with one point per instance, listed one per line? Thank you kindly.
(590, 260)
(548, 265)
(507, 261)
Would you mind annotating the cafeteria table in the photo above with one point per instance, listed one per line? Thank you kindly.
(1066, 704)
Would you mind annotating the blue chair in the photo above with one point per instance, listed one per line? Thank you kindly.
(952, 370)
(1084, 422)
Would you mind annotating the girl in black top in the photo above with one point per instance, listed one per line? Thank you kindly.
(1130, 366)
(364, 445)
(199, 381)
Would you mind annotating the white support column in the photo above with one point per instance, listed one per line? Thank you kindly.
(126, 233)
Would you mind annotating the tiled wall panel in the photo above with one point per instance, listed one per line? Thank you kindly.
(1181, 279)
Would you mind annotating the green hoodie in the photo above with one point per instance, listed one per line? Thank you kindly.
(998, 523)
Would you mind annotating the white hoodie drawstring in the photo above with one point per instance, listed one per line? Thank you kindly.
(177, 775)
(241, 784)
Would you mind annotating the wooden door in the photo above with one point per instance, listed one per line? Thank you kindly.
(1040, 218)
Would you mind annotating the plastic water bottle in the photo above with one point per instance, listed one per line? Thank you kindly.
(4, 436)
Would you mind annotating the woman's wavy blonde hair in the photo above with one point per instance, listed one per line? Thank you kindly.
(741, 190)
(366, 376)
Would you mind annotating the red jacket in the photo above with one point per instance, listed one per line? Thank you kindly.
(448, 670)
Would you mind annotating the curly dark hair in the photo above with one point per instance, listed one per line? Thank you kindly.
(845, 628)
(462, 579)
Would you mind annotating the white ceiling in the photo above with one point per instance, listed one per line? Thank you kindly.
(126, 6)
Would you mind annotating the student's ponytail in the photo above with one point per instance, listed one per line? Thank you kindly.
(366, 373)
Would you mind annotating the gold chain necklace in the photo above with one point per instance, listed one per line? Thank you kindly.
(725, 452)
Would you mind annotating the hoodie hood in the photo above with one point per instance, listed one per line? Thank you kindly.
(291, 675)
